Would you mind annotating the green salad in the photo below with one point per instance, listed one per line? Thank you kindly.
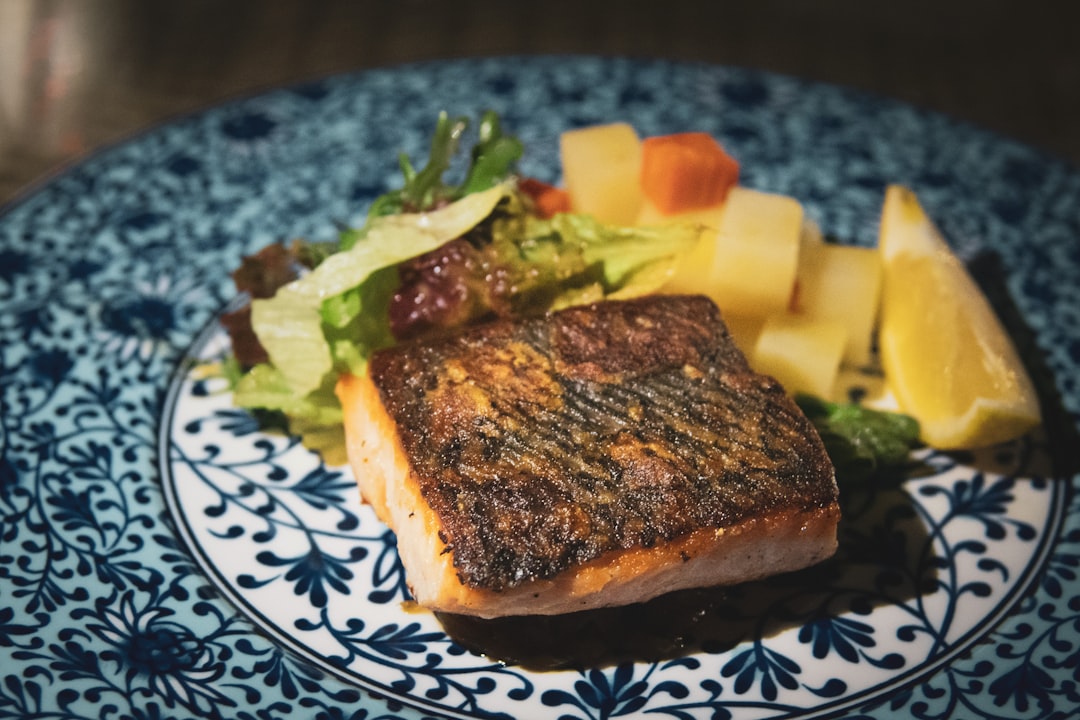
(431, 256)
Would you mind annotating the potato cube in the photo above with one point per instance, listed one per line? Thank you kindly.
(750, 267)
(601, 168)
(802, 353)
(744, 330)
(841, 283)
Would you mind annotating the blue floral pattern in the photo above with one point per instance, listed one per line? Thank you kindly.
(161, 557)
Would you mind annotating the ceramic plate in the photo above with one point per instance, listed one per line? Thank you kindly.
(162, 557)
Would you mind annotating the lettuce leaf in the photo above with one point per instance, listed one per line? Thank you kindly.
(635, 261)
(290, 324)
(316, 417)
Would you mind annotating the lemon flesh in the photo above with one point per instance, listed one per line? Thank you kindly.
(946, 356)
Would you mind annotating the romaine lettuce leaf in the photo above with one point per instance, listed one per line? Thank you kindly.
(635, 260)
(290, 324)
(316, 417)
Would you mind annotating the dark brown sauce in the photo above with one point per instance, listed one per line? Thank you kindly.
(672, 626)
(710, 620)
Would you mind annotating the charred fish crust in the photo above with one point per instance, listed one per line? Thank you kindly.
(545, 443)
(450, 452)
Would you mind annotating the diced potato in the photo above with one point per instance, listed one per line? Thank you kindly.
(744, 330)
(802, 353)
(841, 283)
(750, 267)
(601, 171)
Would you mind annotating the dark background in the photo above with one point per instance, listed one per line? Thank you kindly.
(76, 75)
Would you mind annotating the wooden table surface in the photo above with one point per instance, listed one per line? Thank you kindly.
(77, 75)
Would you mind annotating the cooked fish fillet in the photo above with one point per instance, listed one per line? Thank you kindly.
(593, 457)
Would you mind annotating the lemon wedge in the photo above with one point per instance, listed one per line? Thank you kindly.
(946, 356)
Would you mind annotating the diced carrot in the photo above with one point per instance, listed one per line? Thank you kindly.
(686, 171)
(549, 199)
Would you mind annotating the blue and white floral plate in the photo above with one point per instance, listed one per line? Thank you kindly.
(161, 557)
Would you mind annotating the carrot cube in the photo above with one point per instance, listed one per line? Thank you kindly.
(686, 171)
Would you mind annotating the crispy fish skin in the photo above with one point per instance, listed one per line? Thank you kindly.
(593, 441)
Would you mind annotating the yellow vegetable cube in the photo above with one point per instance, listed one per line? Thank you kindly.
(842, 283)
(744, 330)
(601, 171)
(749, 269)
(803, 354)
